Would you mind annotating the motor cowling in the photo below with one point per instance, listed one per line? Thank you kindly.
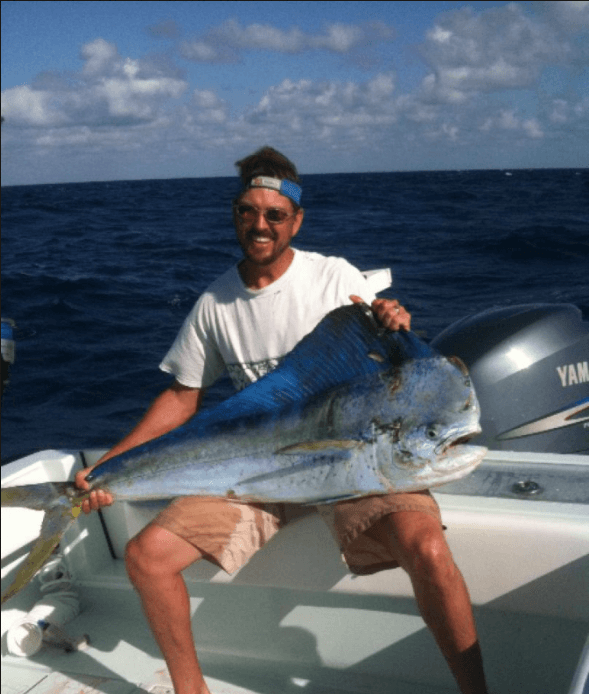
(530, 368)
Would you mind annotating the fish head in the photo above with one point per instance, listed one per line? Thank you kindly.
(436, 413)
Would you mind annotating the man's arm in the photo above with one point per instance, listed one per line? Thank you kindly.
(173, 407)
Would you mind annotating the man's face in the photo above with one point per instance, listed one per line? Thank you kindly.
(264, 243)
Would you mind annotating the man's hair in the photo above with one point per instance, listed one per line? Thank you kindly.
(266, 162)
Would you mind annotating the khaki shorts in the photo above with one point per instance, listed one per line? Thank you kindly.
(228, 533)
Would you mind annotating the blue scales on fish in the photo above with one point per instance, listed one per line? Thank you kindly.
(354, 410)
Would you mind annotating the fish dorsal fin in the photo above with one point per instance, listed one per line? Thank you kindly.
(335, 352)
(345, 345)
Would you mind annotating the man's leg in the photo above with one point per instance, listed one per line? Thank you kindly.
(155, 559)
(442, 597)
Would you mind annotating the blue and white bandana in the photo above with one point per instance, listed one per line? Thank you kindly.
(283, 186)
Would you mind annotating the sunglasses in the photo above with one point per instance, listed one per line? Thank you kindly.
(273, 215)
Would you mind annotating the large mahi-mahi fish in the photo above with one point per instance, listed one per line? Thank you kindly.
(352, 411)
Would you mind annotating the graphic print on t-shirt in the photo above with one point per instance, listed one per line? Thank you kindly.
(243, 374)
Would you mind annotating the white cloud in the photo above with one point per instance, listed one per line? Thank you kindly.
(570, 16)
(450, 132)
(508, 120)
(501, 48)
(261, 37)
(339, 38)
(562, 112)
(100, 57)
(207, 107)
(226, 42)
(109, 90)
(532, 128)
(70, 137)
(327, 109)
(26, 106)
(200, 52)
(581, 109)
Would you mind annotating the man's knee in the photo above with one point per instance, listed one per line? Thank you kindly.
(145, 553)
(421, 547)
(156, 552)
(431, 558)
(136, 561)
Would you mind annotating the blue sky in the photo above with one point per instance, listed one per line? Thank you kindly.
(130, 90)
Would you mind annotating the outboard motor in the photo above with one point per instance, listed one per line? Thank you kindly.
(529, 365)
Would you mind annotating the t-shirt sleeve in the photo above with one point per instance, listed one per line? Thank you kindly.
(349, 280)
(194, 358)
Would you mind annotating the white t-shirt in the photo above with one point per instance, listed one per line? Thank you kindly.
(248, 331)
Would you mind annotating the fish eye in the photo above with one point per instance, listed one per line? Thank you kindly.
(431, 432)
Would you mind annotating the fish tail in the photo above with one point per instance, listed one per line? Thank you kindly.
(61, 503)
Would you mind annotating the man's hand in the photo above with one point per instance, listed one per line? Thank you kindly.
(98, 498)
(388, 312)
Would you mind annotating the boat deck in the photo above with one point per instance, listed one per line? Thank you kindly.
(123, 658)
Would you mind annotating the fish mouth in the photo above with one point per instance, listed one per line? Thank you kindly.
(450, 445)
(458, 459)
(459, 456)
(462, 440)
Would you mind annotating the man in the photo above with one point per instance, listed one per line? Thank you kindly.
(245, 322)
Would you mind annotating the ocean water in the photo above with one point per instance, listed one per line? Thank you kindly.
(99, 276)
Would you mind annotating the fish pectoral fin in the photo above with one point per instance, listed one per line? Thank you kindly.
(306, 447)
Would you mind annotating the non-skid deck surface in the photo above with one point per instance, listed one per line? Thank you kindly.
(25, 679)
(123, 659)
(264, 640)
